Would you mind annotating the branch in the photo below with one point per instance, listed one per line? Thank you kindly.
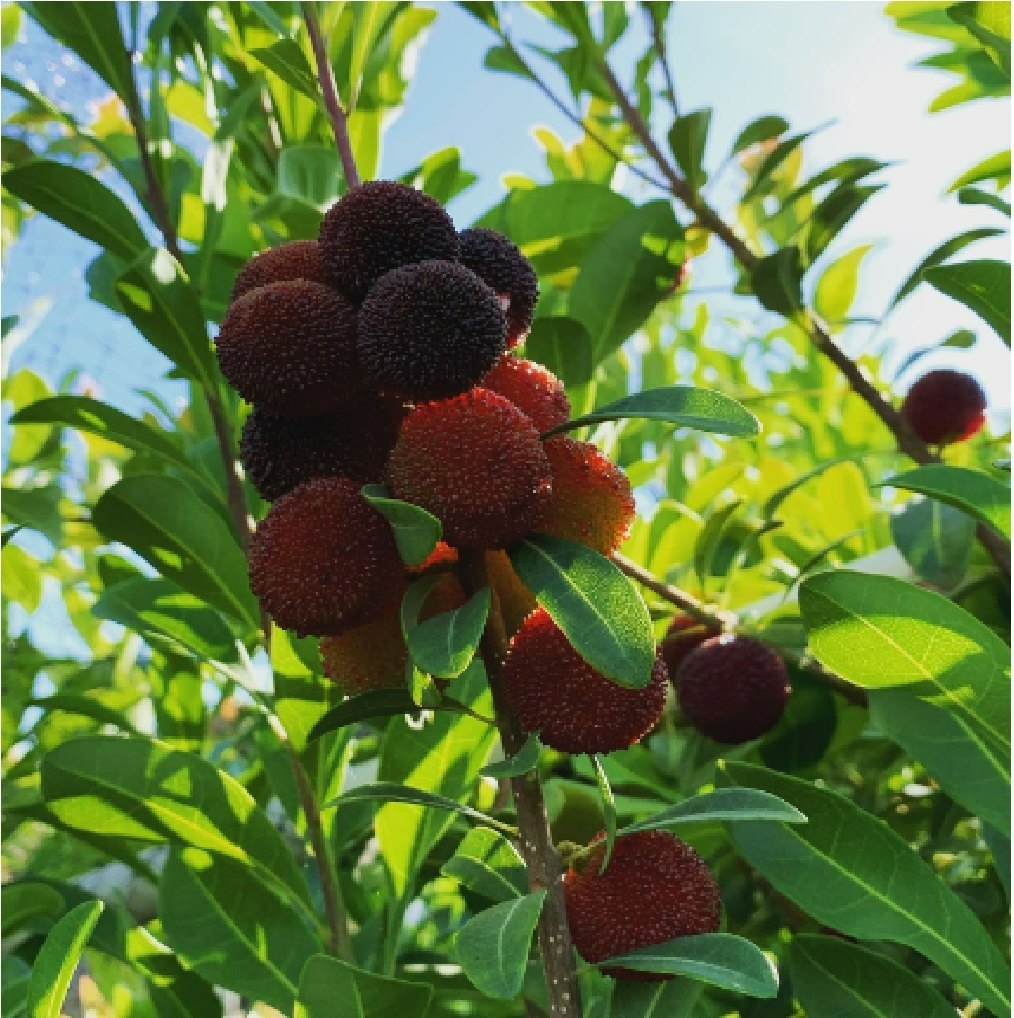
(541, 860)
(336, 114)
(658, 39)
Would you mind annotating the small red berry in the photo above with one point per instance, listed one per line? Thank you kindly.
(685, 634)
(945, 406)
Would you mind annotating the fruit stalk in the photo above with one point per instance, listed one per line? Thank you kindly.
(541, 859)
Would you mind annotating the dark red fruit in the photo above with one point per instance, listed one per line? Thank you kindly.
(430, 330)
(685, 634)
(290, 349)
(298, 259)
(571, 706)
(321, 561)
(280, 453)
(476, 463)
(945, 406)
(493, 257)
(531, 388)
(732, 688)
(655, 888)
(380, 226)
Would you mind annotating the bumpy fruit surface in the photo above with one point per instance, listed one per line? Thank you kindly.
(298, 259)
(429, 330)
(531, 388)
(290, 349)
(656, 888)
(945, 406)
(592, 502)
(517, 602)
(380, 226)
(280, 453)
(685, 634)
(571, 706)
(322, 559)
(374, 655)
(732, 688)
(477, 464)
(493, 257)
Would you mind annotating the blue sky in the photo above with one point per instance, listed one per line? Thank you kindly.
(812, 62)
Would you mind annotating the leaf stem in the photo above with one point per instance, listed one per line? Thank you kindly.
(335, 112)
(541, 860)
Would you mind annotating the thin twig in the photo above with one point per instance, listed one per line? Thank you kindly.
(542, 862)
(335, 112)
(235, 495)
(658, 38)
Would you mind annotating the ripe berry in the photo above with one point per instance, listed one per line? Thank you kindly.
(322, 559)
(280, 453)
(685, 634)
(430, 330)
(732, 688)
(592, 502)
(655, 888)
(476, 463)
(290, 348)
(298, 259)
(531, 388)
(945, 406)
(495, 259)
(374, 655)
(380, 226)
(571, 706)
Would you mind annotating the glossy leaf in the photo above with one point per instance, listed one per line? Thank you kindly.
(493, 946)
(58, 958)
(599, 610)
(180, 535)
(832, 976)
(675, 998)
(78, 201)
(416, 531)
(681, 405)
(849, 870)
(983, 496)
(688, 137)
(286, 59)
(326, 981)
(564, 346)
(27, 902)
(721, 804)
(445, 644)
(377, 703)
(524, 760)
(935, 539)
(938, 255)
(718, 959)
(759, 130)
(608, 809)
(836, 289)
(388, 791)
(488, 864)
(983, 286)
(777, 280)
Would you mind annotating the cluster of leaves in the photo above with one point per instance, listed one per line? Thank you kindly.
(177, 794)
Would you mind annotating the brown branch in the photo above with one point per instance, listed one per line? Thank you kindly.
(235, 495)
(335, 112)
(541, 860)
(658, 39)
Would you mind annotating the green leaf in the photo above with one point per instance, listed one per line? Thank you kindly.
(832, 976)
(287, 60)
(832, 214)
(564, 346)
(28, 902)
(493, 946)
(389, 791)
(182, 537)
(995, 167)
(938, 255)
(983, 286)
(688, 137)
(488, 864)
(721, 804)
(97, 418)
(232, 929)
(976, 196)
(57, 960)
(310, 173)
(377, 703)
(718, 959)
(161, 610)
(935, 540)
(157, 297)
(850, 871)
(36, 508)
(777, 281)
(989, 22)
(711, 536)
(625, 274)
(78, 201)
(608, 809)
(675, 998)
(416, 531)
(759, 130)
(599, 610)
(140, 789)
(524, 760)
(836, 289)
(507, 60)
(445, 644)
(327, 981)
(682, 405)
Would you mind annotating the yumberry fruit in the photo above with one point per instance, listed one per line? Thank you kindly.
(571, 706)
(945, 406)
(685, 634)
(655, 888)
(298, 259)
(732, 688)
(531, 388)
